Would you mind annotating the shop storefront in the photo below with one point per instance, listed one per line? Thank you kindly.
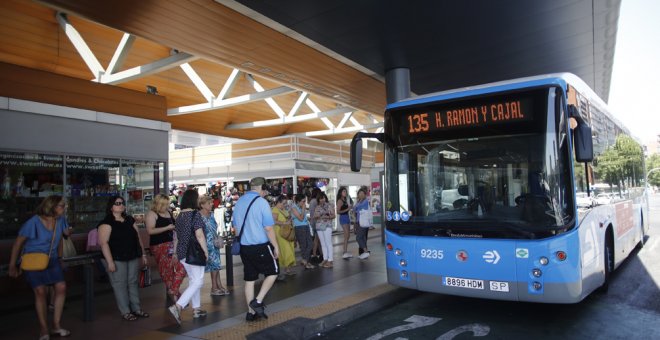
(83, 160)
(289, 164)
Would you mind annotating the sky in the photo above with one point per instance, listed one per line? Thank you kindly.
(635, 86)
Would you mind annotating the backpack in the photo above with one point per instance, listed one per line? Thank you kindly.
(93, 240)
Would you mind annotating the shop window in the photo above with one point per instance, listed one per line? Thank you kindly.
(140, 180)
(90, 181)
(26, 179)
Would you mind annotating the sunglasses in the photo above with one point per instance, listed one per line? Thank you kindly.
(119, 203)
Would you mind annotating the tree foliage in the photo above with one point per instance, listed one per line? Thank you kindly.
(621, 163)
(653, 162)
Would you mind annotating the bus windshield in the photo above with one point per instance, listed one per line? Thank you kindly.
(510, 180)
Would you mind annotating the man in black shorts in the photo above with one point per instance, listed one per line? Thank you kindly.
(259, 250)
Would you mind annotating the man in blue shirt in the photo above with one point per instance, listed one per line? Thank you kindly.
(259, 250)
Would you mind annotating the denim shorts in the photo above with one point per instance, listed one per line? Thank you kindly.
(344, 219)
(51, 275)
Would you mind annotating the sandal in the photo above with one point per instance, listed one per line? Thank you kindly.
(60, 332)
(141, 314)
(129, 317)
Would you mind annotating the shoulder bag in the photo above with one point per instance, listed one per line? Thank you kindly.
(38, 261)
(286, 231)
(195, 254)
(236, 246)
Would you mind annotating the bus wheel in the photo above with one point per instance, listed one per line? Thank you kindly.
(640, 245)
(608, 253)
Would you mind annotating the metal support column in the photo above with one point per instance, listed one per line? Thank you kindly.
(88, 294)
(397, 84)
(229, 264)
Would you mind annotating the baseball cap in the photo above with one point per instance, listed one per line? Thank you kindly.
(257, 181)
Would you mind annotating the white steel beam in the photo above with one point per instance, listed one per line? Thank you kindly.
(270, 101)
(224, 103)
(296, 107)
(289, 120)
(80, 45)
(148, 69)
(229, 84)
(198, 82)
(315, 108)
(336, 131)
(344, 120)
(121, 52)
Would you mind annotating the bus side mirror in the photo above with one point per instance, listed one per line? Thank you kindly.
(356, 153)
(356, 148)
(584, 144)
(584, 147)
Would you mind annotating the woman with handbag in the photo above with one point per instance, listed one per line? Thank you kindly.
(160, 226)
(191, 250)
(285, 237)
(324, 214)
(361, 207)
(122, 250)
(38, 239)
(214, 243)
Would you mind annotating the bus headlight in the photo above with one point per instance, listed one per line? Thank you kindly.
(403, 263)
(537, 285)
(404, 274)
(536, 272)
(397, 252)
(543, 260)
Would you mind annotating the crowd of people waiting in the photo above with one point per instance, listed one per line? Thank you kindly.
(267, 246)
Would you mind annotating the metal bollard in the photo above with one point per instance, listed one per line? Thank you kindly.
(88, 297)
(229, 263)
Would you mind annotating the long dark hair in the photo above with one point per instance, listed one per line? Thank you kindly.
(348, 197)
(315, 193)
(111, 202)
(189, 199)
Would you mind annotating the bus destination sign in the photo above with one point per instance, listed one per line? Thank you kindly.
(439, 118)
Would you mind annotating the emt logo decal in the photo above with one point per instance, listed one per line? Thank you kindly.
(522, 253)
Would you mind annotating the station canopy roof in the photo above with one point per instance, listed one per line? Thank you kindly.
(255, 69)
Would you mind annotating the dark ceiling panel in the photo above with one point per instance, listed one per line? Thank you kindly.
(449, 44)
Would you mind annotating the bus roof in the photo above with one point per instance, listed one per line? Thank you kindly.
(557, 79)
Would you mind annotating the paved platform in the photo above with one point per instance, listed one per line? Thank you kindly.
(304, 304)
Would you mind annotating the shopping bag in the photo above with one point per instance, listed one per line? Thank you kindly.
(145, 277)
(366, 218)
(68, 249)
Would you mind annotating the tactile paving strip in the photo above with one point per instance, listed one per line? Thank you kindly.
(241, 331)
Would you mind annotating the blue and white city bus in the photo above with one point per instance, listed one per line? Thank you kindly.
(480, 192)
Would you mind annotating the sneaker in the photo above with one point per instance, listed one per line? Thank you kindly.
(198, 313)
(347, 256)
(364, 256)
(175, 313)
(251, 316)
(281, 277)
(259, 308)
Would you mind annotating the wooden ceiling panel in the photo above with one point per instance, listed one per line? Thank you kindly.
(31, 37)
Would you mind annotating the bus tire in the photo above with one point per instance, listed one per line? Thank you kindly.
(608, 265)
(640, 245)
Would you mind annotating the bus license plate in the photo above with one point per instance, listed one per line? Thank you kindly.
(463, 283)
(499, 286)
